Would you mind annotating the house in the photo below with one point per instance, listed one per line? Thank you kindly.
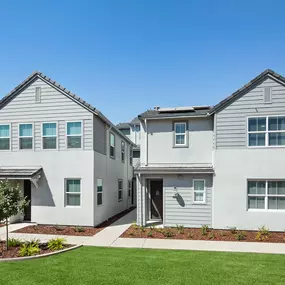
(71, 162)
(222, 166)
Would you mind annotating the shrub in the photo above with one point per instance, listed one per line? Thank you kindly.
(150, 234)
(180, 229)
(168, 233)
(233, 230)
(29, 249)
(211, 236)
(204, 229)
(56, 244)
(190, 235)
(240, 235)
(33, 242)
(13, 242)
(263, 234)
(58, 228)
(79, 229)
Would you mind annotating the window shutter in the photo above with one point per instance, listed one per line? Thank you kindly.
(267, 95)
(38, 95)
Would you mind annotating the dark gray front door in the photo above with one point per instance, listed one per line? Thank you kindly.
(28, 195)
(156, 201)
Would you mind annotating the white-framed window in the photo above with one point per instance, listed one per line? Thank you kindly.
(266, 194)
(73, 192)
(199, 191)
(120, 190)
(180, 134)
(26, 136)
(38, 92)
(99, 191)
(74, 134)
(49, 135)
(112, 145)
(5, 137)
(129, 188)
(266, 131)
(123, 151)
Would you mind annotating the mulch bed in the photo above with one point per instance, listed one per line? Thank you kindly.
(196, 234)
(14, 251)
(71, 230)
(2, 225)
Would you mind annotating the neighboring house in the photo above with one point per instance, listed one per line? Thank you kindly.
(222, 166)
(133, 132)
(71, 162)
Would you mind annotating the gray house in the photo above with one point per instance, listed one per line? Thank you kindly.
(221, 166)
(70, 161)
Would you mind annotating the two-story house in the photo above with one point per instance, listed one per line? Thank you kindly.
(221, 166)
(71, 162)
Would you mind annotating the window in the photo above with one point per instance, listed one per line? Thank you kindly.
(266, 131)
(38, 92)
(112, 145)
(131, 156)
(120, 190)
(4, 137)
(130, 188)
(136, 154)
(180, 134)
(123, 151)
(199, 191)
(74, 135)
(73, 192)
(99, 192)
(266, 195)
(126, 132)
(49, 136)
(26, 136)
(267, 94)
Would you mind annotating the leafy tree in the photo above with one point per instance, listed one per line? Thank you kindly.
(11, 202)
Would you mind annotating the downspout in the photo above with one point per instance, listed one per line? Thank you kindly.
(146, 143)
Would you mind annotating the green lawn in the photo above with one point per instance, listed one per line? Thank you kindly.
(91, 265)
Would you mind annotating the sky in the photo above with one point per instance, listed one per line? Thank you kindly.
(127, 56)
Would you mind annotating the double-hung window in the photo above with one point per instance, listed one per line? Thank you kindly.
(130, 188)
(74, 134)
(199, 191)
(266, 131)
(5, 137)
(112, 145)
(180, 134)
(49, 136)
(120, 190)
(266, 194)
(26, 136)
(73, 192)
(123, 151)
(99, 191)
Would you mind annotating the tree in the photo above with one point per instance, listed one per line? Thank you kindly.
(11, 203)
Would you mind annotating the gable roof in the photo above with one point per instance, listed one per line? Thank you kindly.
(268, 73)
(123, 126)
(38, 75)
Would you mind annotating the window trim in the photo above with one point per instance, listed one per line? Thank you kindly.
(65, 193)
(113, 157)
(10, 132)
(33, 137)
(123, 151)
(99, 192)
(200, 191)
(42, 136)
(266, 195)
(66, 135)
(186, 144)
(266, 132)
(120, 200)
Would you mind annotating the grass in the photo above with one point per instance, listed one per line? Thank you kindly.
(91, 265)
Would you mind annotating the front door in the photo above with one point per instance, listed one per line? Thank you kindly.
(156, 201)
(28, 195)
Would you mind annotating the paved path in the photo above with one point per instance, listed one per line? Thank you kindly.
(110, 237)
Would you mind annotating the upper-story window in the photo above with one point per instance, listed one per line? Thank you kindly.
(38, 93)
(26, 136)
(112, 145)
(123, 151)
(131, 156)
(126, 132)
(5, 137)
(49, 136)
(180, 134)
(74, 134)
(266, 131)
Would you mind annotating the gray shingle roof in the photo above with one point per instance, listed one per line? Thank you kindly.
(123, 126)
(18, 172)
(35, 75)
(135, 121)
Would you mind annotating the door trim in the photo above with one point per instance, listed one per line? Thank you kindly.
(149, 200)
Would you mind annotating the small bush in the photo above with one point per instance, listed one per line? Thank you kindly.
(33, 242)
(180, 229)
(190, 235)
(233, 230)
(56, 244)
(263, 234)
(58, 228)
(204, 229)
(211, 236)
(79, 229)
(150, 234)
(168, 233)
(29, 249)
(13, 242)
(240, 235)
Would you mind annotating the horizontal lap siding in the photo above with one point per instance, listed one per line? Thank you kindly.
(231, 124)
(54, 107)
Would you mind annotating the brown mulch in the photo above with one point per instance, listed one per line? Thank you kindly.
(196, 234)
(14, 251)
(71, 230)
(2, 225)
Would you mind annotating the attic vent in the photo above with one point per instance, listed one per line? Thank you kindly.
(267, 95)
(38, 95)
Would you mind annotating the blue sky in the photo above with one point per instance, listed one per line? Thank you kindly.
(127, 56)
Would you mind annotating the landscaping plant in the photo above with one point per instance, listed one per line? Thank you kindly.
(180, 229)
(79, 229)
(13, 242)
(11, 203)
(204, 229)
(150, 234)
(240, 235)
(168, 233)
(263, 234)
(29, 249)
(56, 243)
(233, 230)
(211, 236)
(58, 228)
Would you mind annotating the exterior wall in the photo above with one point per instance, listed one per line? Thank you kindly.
(135, 135)
(160, 148)
(99, 135)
